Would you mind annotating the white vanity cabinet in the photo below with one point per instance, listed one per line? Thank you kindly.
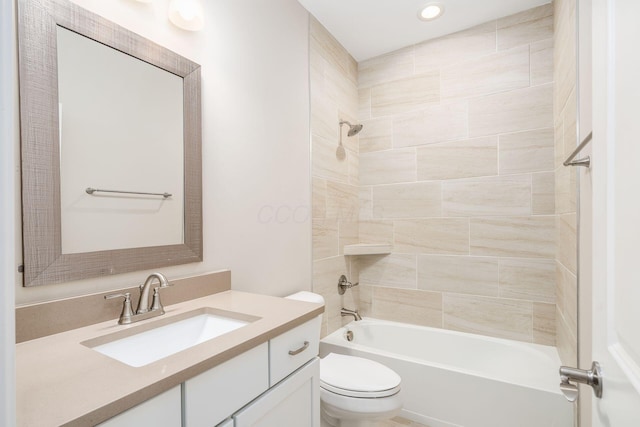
(273, 385)
(276, 384)
(293, 402)
(164, 410)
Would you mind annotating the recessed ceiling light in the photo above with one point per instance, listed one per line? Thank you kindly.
(431, 11)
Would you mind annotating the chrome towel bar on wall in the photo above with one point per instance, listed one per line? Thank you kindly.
(90, 190)
(586, 161)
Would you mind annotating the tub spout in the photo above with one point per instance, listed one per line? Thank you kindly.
(347, 312)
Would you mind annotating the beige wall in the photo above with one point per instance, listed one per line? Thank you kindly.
(457, 172)
(565, 142)
(255, 105)
(334, 96)
(454, 168)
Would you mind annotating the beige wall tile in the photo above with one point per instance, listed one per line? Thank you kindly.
(446, 236)
(329, 48)
(566, 189)
(376, 135)
(342, 201)
(341, 90)
(325, 239)
(564, 52)
(497, 72)
(513, 111)
(365, 200)
(544, 323)
(567, 287)
(324, 116)
(528, 279)
(364, 104)
(348, 234)
(461, 46)
(495, 317)
(388, 167)
(569, 117)
(566, 342)
(542, 62)
(525, 237)
(566, 241)
(405, 95)
(460, 159)
(543, 201)
(407, 305)
(436, 123)
(558, 136)
(394, 270)
(412, 200)
(508, 195)
(319, 198)
(385, 68)
(326, 162)
(326, 273)
(380, 231)
(458, 274)
(353, 165)
(525, 27)
(528, 151)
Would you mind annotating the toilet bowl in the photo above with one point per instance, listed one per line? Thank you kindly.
(357, 392)
(354, 392)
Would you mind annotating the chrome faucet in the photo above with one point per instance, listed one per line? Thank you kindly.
(143, 311)
(143, 302)
(346, 312)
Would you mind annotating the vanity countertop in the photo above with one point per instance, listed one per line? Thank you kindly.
(60, 381)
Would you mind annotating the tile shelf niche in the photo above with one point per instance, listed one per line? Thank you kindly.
(367, 249)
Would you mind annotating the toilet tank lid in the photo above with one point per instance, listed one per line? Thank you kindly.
(306, 296)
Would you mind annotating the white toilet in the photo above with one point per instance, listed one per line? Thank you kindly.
(354, 392)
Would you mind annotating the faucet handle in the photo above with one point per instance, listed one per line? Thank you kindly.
(156, 304)
(127, 311)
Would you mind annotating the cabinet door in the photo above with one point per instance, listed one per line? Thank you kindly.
(214, 395)
(164, 410)
(293, 402)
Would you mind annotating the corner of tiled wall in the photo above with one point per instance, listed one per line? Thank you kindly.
(565, 117)
(334, 96)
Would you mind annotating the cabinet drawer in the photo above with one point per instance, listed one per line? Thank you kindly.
(212, 396)
(289, 351)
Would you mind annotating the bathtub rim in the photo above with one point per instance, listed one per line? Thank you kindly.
(337, 338)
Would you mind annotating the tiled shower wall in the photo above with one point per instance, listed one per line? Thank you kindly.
(565, 142)
(456, 171)
(334, 96)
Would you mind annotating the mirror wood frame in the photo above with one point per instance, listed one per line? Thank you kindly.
(44, 262)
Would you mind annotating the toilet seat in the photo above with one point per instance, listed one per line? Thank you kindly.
(353, 376)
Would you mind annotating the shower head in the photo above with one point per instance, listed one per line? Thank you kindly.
(353, 129)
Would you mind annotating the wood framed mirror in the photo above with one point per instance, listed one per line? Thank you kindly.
(45, 128)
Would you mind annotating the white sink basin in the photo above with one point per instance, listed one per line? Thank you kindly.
(154, 344)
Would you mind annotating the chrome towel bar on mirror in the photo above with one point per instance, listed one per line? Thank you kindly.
(586, 161)
(90, 190)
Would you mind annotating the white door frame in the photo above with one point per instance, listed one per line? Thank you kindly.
(7, 211)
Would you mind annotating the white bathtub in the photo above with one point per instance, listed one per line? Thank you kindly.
(457, 379)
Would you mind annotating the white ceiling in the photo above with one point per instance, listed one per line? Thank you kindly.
(368, 28)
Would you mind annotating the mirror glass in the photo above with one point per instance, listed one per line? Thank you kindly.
(120, 130)
(104, 108)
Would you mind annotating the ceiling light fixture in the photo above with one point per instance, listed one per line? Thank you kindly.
(186, 14)
(431, 11)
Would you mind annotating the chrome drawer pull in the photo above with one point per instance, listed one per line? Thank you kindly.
(300, 350)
